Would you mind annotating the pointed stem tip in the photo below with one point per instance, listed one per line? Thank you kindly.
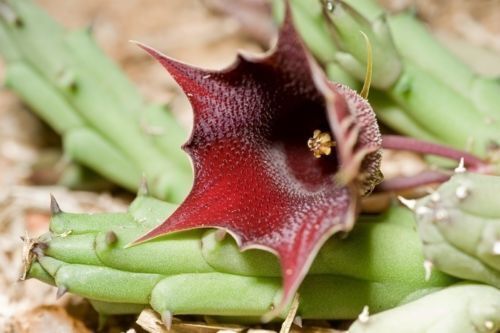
(110, 238)
(428, 265)
(364, 316)
(54, 206)
(61, 290)
(166, 318)
(220, 234)
(143, 187)
(461, 166)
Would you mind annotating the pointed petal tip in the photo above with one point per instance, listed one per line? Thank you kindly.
(129, 245)
(144, 238)
(140, 44)
(152, 51)
(138, 241)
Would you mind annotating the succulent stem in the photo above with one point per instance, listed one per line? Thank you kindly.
(79, 92)
(379, 264)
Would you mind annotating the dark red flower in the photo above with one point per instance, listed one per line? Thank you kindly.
(255, 175)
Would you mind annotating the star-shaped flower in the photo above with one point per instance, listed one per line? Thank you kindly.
(281, 155)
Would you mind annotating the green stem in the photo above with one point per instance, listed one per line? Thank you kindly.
(68, 80)
(379, 263)
(459, 227)
(90, 148)
(416, 44)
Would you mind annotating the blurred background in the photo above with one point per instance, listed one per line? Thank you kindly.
(206, 33)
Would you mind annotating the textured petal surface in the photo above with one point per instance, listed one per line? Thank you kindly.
(254, 174)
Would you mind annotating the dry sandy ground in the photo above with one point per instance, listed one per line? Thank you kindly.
(184, 29)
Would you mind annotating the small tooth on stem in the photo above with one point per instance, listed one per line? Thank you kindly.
(38, 251)
(61, 290)
(496, 248)
(66, 79)
(298, 321)
(54, 206)
(435, 197)
(143, 190)
(330, 6)
(110, 238)
(441, 214)
(422, 210)
(9, 15)
(409, 203)
(428, 265)
(220, 234)
(461, 166)
(364, 316)
(489, 325)
(462, 192)
(166, 318)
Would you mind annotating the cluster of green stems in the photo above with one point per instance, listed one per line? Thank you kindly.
(420, 88)
(104, 122)
(379, 265)
(106, 125)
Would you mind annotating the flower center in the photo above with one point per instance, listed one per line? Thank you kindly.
(320, 144)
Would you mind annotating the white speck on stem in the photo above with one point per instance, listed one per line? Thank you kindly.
(496, 248)
(435, 197)
(364, 316)
(441, 214)
(461, 166)
(422, 210)
(489, 324)
(428, 265)
(410, 204)
(462, 192)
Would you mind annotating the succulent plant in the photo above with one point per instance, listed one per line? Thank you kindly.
(104, 122)
(462, 308)
(413, 74)
(459, 225)
(378, 264)
(255, 146)
(281, 157)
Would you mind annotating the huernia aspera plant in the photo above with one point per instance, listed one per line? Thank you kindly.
(379, 265)
(417, 81)
(281, 157)
(104, 122)
(262, 170)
